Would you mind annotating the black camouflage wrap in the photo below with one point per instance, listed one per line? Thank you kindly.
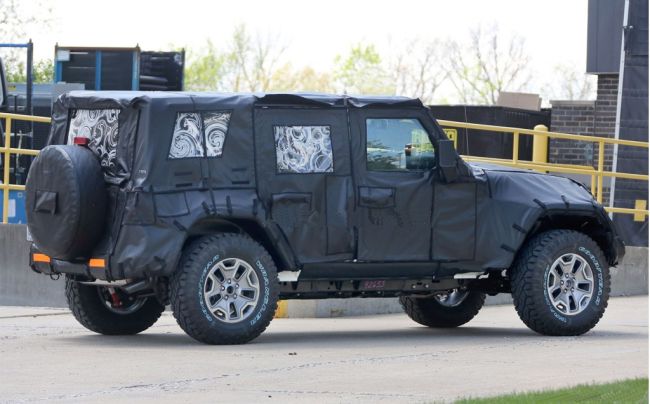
(291, 171)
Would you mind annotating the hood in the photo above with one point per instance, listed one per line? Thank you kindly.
(498, 167)
(534, 188)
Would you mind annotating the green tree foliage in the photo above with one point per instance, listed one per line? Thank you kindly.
(306, 79)
(249, 62)
(206, 70)
(361, 72)
(16, 21)
(43, 72)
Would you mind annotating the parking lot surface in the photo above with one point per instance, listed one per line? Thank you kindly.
(46, 355)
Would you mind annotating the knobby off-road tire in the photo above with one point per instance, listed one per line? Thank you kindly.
(536, 305)
(214, 274)
(431, 312)
(90, 310)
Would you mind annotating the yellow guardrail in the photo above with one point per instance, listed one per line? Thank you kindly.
(7, 151)
(540, 142)
(540, 137)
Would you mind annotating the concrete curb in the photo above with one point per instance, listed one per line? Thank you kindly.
(19, 286)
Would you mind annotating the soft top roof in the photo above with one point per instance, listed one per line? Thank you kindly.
(125, 98)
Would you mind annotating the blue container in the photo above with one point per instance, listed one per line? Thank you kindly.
(16, 207)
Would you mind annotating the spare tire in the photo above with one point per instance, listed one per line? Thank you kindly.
(66, 202)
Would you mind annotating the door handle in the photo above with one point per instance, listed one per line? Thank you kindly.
(373, 197)
(292, 198)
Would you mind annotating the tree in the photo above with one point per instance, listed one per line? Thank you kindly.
(206, 72)
(16, 20)
(488, 65)
(286, 78)
(245, 63)
(570, 84)
(252, 60)
(418, 71)
(361, 72)
(42, 72)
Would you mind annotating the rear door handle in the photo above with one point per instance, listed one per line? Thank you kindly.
(373, 197)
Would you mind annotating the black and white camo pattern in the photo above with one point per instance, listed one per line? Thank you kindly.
(215, 126)
(303, 149)
(101, 127)
(187, 140)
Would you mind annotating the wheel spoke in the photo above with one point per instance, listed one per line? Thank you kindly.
(579, 296)
(567, 266)
(239, 305)
(555, 281)
(582, 275)
(245, 280)
(248, 294)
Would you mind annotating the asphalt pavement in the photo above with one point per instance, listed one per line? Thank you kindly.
(46, 355)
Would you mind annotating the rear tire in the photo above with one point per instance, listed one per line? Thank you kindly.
(93, 312)
(561, 283)
(225, 290)
(430, 311)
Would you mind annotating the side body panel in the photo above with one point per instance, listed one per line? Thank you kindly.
(303, 171)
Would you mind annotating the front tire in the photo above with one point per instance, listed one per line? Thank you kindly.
(561, 283)
(93, 308)
(448, 310)
(225, 290)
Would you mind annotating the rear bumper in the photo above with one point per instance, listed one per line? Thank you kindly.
(41, 263)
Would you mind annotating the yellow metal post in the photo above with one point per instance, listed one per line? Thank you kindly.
(515, 147)
(601, 165)
(540, 145)
(281, 311)
(640, 205)
(5, 181)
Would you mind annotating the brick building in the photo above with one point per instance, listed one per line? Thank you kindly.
(618, 54)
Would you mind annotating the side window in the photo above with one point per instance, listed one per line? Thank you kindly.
(303, 149)
(216, 127)
(199, 134)
(187, 140)
(398, 145)
(101, 127)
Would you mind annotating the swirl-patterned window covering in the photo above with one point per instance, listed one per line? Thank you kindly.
(187, 140)
(101, 127)
(216, 126)
(303, 149)
(196, 134)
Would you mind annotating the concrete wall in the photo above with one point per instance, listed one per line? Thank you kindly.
(20, 286)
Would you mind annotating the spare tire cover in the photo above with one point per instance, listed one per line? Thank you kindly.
(66, 201)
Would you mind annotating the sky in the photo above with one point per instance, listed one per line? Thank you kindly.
(555, 31)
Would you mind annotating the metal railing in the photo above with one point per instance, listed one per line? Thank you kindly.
(7, 151)
(538, 162)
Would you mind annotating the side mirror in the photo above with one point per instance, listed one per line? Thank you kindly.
(448, 160)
